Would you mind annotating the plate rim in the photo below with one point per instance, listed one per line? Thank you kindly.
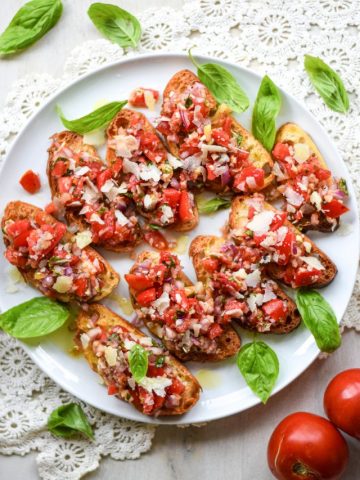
(135, 59)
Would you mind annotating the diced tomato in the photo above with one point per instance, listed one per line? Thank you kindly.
(221, 137)
(285, 249)
(275, 308)
(227, 124)
(151, 146)
(80, 286)
(158, 273)
(103, 231)
(169, 316)
(176, 388)
(256, 173)
(322, 174)
(164, 128)
(112, 389)
(210, 172)
(16, 228)
(146, 297)
(50, 208)
(116, 167)
(64, 184)
(214, 331)
(158, 402)
(179, 297)
(154, 371)
(171, 196)
(103, 177)
(278, 221)
(241, 158)
(185, 208)
(251, 212)
(334, 209)
(281, 151)
(156, 240)
(30, 182)
(303, 278)
(59, 169)
(137, 97)
(138, 282)
(57, 232)
(15, 258)
(210, 264)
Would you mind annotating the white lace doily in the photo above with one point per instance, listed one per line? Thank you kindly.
(269, 36)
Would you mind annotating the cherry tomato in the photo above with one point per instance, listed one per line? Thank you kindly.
(146, 297)
(281, 151)
(138, 282)
(275, 308)
(137, 97)
(334, 209)
(185, 207)
(30, 181)
(307, 447)
(342, 401)
(156, 240)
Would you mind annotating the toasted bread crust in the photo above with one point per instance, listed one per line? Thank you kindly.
(19, 211)
(107, 319)
(200, 249)
(238, 219)
(228, 342)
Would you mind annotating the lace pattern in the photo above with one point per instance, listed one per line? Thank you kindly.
(269, 36)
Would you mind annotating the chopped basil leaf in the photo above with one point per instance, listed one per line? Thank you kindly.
(154, 227)
(212, 205)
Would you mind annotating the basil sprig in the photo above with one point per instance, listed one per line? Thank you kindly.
(35, 318)
(30, 23)
(69, 420)
(327, 83)
(319, 318)
(266, 109)
(222, 85)
(212, 205)
(116, 24)
(138, 362)
(259, 366)
(99, 118)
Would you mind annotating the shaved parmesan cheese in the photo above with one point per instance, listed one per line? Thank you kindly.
(83, 239)
(315, 199)
(149, 99)
(293, 197)
(307, 246)
(255, 300)
(142, 171)
(96, 218)
(167, 214)
(110, 356)
(96, 138)
(253, 278)
(268, 293)
(156, 384)
(108, 185)
(301, 152)
(261, 222)
(313, 262)
(85, 340)
(174, 162)
(120, 218)
(125, 145)
(80, 171)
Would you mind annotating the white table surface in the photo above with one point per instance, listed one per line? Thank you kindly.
(233, 448)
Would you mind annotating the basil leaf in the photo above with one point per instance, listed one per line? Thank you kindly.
(327, 83)
(222, 85)
(116, 24)
(266, 109)
(29, 24)
(319, 318)
(68, 420)
(259, 366)
(212, 205)
(35, 318)
(99, 118)
(138, 362)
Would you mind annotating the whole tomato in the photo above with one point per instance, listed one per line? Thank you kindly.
(307, 447)
(342, 401)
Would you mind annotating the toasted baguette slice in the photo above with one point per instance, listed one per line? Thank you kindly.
(238, 227)
(206, 247)
(24, 211)
(291, 134)
(106, 319)
(124, 119)
(75, 143)
(227, 344)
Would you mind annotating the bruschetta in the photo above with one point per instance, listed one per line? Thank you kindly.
(313, 198)
(86, 193)
(240, 287)
(289, 255)
(215, 150)
(146, 169)
(53, 260)
(176, 311)
(107, 341)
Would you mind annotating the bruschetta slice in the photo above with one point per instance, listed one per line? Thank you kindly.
(313, 198)
(86, 193)
(215, 150)
(146, 169)
(176, 311)
(107, 341)
(53, 260)
(289, 255)
(240, 287)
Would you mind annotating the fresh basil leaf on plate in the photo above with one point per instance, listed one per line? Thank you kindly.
(266, 109)
(222, 84)
(69, 420)
(213, 205)
(99, 118)
(31, 22)
(327, 83)
(35, 318)
(138, 362)
(259, 366)
(319, 318)
(116, 24)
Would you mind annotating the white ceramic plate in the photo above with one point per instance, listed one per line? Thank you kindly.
(224, 390)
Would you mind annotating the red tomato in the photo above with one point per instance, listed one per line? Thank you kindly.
(214, 331)
(307, 447)
(210, 172)
(304, 278)
(285, 249)
(50, 208)
(146, 297)
(256, 173)
(59, 169)
(185, 207)
(210, 264)
(278, 221)
(57, 231)
(30, 181)
(322, 174)
(117, 167)
(280, 151)
(342, 401)
(227, 124)
(154, 371)
(19, 231)
(220, 137)
(103, 177)
(334, 209)
(172, 197)
(138, 282)
(137, 97)
(275, 309)
(80, 286)
(112, 389)
(176, 387)
(64, 184)
(156, 240)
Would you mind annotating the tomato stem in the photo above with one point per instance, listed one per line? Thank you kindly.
(303, 470)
